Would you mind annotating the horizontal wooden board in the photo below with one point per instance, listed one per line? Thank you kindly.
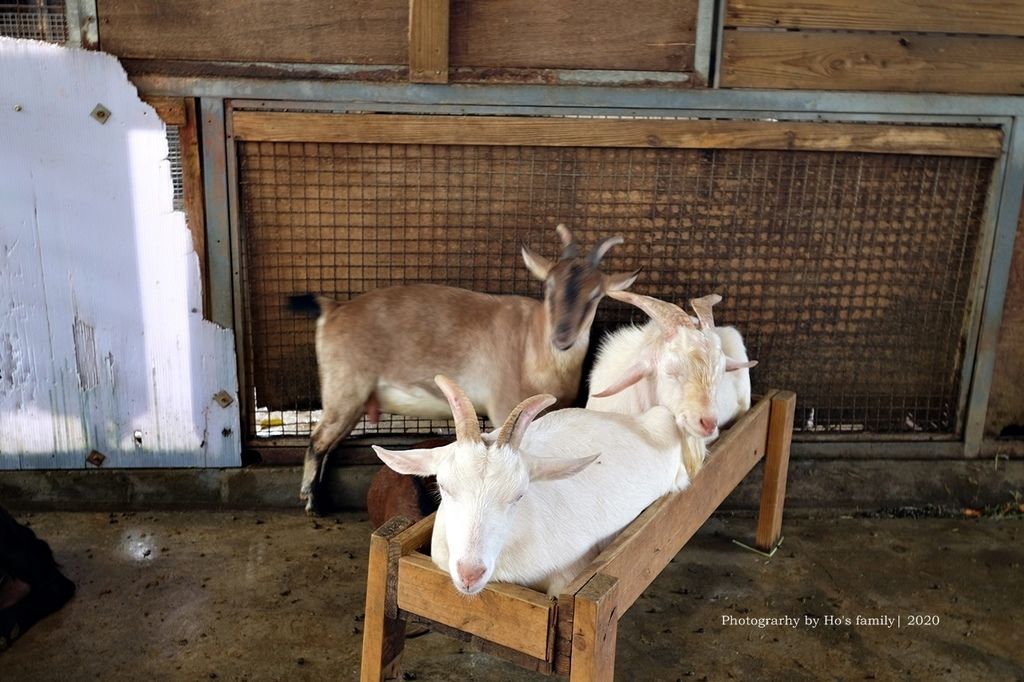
(901, 63)
(638, 554)
(171, 110)
(644, 548)
(652, 35)
(571, 132)
(358, 31)
(509, 615)
(997, 17)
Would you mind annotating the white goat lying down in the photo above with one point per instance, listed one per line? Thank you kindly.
(527, 508)
(700, 372)
(379, 351)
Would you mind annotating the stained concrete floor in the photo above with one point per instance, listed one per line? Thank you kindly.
(276, 596)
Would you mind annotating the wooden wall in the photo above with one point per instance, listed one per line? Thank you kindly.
(654, 35)
(880, 45)
(1006, 404)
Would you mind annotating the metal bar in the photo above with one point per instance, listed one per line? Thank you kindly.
(980, 278)
(72, 14)
(87, 24)
(995, 295)
(705, 40)
(247, 404)
(719, 39)
(583, 99)
(218, 228)
(879, 450)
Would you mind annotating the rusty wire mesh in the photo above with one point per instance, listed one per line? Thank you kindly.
(848, 273)
(177, 169)
(35, 19)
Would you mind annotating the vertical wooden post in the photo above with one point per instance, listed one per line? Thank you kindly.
(192, 177)
(428, 41)
(383, 636)
(776, 467)
(595, 624)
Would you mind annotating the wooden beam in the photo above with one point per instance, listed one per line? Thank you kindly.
(506, 614)
(383, 636)
(594, 630)
(645, 35)
(171, 110)
(993, 17)
(883, 62)
(776, 467)
(640, 552)
(192, 188)
(575, 132)
(428, 41)
(299, 31)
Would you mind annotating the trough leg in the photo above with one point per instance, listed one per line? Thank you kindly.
(776, 466)
(383, 636)
(595, 624)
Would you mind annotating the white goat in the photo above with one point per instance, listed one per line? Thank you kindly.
(378, 352)
(527, 508)
(698, 371)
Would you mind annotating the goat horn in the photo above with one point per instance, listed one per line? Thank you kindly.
(570, 249)
(702, 306)
(601, 249)
(516, 423)
(667, 315)
(467, 426)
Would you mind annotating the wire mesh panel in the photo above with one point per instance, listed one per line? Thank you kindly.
(848, 273)
(36, 19)
(177, 170)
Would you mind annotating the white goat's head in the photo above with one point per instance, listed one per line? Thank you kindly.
(574, 285)
(686, 363)
(481, 483)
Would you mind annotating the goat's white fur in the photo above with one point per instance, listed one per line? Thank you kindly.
(580, 476)
(682, 368)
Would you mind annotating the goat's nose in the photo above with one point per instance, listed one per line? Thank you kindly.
(708, 424)
(469, 574)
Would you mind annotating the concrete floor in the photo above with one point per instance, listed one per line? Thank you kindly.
(276, 596)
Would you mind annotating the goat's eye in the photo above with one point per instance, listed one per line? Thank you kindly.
(518, 497)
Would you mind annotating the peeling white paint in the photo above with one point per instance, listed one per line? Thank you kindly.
(98, 279)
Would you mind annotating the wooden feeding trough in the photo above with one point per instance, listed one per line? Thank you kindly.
(573, 634)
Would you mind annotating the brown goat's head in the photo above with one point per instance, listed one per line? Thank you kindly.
(573, 286)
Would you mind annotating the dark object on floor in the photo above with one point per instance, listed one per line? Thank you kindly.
(31, 585)
(393, 494)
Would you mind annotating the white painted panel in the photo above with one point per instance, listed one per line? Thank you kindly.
(100, 332)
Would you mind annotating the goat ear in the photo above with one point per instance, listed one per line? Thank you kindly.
(634, 374)
(620, 281)
(732, 365)
(538, 265)
(545, 469)
(419, 462)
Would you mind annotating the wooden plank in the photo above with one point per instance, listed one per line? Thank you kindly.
(416, 536)
(428, 41)
(892, 62)
(570, 132)
(776, 467)
(357, 31)
(192, 187)
(383, 636)
(994, 17)
(653, 35)
(645, 547)
(484, 646)
(506, 614)
(171, 110)
(594, 630)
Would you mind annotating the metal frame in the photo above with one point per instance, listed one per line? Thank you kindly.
(995, 248)
(83, 24)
